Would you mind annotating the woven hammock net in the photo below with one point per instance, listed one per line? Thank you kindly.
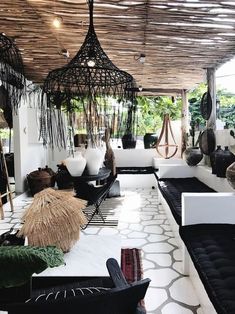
(53, 218)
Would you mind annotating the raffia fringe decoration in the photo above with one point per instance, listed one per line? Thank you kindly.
(54, 218)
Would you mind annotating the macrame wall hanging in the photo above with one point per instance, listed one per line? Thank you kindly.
(166, 145)
(87, 81)
(11, 72)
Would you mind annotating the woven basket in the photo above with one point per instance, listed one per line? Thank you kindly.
(39, 180)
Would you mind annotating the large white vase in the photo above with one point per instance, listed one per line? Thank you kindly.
(76, 164)
(94, 159)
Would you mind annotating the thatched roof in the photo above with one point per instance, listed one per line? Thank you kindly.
(179, 38)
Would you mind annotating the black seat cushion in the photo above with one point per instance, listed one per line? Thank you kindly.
(172, 189)
(212, 249)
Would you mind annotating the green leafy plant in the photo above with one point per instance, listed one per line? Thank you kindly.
(18, 263)
(152, 110)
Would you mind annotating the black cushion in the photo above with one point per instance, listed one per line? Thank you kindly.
(172, 189)
(212, 249)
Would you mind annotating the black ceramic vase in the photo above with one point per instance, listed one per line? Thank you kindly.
(213, 156)
(63, 178)
(150, 139)
(230, 175)
(128, 141)
(193, 156)
(223, 160)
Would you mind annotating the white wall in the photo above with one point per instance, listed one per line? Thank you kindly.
(29, 153)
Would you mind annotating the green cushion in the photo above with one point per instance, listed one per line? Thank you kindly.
(18, 263)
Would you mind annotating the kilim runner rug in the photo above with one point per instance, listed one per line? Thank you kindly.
(131, 265)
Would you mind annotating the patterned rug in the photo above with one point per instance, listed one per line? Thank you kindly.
(131, 265)
(109, 214)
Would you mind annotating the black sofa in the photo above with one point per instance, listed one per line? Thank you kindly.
(212, 250)
(172, 188)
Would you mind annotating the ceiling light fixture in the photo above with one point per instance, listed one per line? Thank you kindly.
(89, 78)
(140, 58)
(65, 53)
(57, 21)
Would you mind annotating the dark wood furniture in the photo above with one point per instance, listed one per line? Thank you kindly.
(94, 194)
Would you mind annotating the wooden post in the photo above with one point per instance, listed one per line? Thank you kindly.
(184, 121)
(211, 123)
(8, 192)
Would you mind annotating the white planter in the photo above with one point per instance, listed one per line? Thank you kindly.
(94, 159)
(76, 164)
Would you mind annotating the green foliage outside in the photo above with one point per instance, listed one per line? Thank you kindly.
(225, 106)
(152, 109)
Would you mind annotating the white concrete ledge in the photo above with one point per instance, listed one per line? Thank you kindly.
(175, 171)
(134, 157)
(208, 208)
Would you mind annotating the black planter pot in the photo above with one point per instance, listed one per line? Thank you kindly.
(150, 139)
(128, 141)
(223, 160)
(3, 186)
(10, 164)
(193, 156)
(213, 156)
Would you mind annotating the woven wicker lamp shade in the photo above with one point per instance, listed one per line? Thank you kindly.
(89, 77)
(11, 70)
(53, 218)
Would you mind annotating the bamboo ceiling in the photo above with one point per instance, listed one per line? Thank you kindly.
(179, 38)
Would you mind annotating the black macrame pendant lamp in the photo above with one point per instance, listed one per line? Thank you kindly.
(11, 72)
(90, 77)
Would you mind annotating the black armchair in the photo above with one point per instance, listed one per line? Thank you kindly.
(121, 298)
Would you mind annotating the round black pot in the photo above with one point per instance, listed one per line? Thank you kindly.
(128, 141)
(230, 175)
(193, 156)
(150, 139)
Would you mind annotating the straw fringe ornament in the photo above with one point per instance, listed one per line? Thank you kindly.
(53, 218)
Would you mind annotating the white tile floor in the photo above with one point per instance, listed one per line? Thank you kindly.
(143, 224)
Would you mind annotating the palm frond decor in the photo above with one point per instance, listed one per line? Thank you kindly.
(53, 218)
(89, 78)
(11, 71)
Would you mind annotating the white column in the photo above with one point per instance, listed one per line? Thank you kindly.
(29, 153)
